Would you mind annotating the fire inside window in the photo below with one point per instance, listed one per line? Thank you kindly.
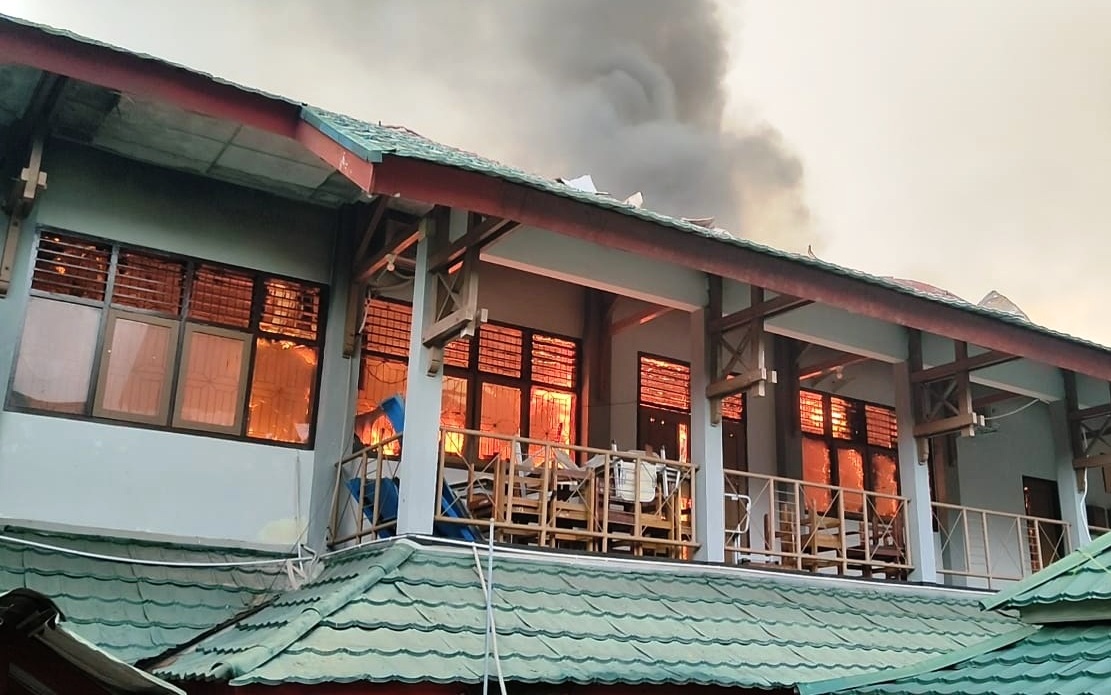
(510, 381)
(851, 444)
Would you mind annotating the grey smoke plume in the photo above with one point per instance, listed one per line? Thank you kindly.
(629, 91)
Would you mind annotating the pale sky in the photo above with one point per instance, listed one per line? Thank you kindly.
(964, 144)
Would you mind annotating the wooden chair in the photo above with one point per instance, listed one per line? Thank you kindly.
(886, 546)
(804, 535)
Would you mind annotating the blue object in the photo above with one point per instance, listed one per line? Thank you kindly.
(394, 408)
(387, 501)
(450, 505)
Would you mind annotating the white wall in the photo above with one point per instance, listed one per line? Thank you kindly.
(121, 477)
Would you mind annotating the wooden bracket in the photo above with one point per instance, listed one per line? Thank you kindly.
(942, 396)
(31, 181)
(735, 343)
(457, 314)
(1089, 429)
(480, 233)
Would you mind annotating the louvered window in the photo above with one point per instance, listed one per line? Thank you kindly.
(221, 296)
(553, 361)
(71, 266)
(150, 283)
(179, 343)
(290, 308)
(665, 384)
(387, 327)
(500, 350)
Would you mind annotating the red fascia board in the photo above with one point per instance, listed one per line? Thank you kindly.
(132, 74)
(354, 167)
(443, 185)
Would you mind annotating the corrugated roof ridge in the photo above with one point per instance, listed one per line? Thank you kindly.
(933, 664)
(1025, 592)
(244, 662)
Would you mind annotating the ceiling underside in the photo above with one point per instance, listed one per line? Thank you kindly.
(164, 135)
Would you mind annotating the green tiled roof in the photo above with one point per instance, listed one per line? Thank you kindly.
(1083, 575)
(131, 610)
(1053, 659)
(407, 612)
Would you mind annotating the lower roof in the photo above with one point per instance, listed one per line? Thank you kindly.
(415, 612)
(1066, 660)
(136, 599)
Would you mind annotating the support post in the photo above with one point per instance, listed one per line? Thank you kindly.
(706, 450)
(339, 384)
(1072, 483)
(914, 479)
(424, 386)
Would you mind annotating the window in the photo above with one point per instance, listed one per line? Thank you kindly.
(507, 380)
(130, 335)
(664, 407)
(851, 444)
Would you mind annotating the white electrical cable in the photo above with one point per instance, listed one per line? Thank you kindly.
(1016, 411)
(143, 561)
(491, 629)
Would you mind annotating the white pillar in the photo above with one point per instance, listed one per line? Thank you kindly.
(914, 479)
(1072, 485)
(420, 441)
(706, 453)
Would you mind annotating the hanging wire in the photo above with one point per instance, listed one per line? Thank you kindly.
(1016, 411)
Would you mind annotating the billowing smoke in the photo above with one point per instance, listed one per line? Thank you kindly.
(629, 91)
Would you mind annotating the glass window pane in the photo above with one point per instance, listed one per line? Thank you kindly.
(66, 265)
(552, 416)
(282, 391)
(212, 379)
(56, 356)
(138, 359)
(816, 469)
(453, 411)
(850, 474)
(501, 414)
(885, 479)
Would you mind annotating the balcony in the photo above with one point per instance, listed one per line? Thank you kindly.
(989, 549)
(784, 523)
(528, 492)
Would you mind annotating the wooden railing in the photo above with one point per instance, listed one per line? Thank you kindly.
(1097, 531)
(364, 501)
(984, 548)
(799, 525)
(556, 495)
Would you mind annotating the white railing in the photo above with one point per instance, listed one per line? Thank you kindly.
(794, 524)
(550, 494)
(985, 548)
(1097, 531)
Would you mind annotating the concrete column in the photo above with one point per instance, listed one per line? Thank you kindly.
(339, 383)
(762, 456)
(706, 453)
(420, 442)
(1072, 484)
(914, 479)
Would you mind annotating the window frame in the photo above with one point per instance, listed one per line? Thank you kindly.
(107, 307)
(108, 331)
(475, 377)
(736, 426)
(859, 440)
(247, 351)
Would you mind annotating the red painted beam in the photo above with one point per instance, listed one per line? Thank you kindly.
(131, 74)
(355, 168)
(434, 183)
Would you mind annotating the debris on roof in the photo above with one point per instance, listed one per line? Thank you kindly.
(584, 183)
(997, 301)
